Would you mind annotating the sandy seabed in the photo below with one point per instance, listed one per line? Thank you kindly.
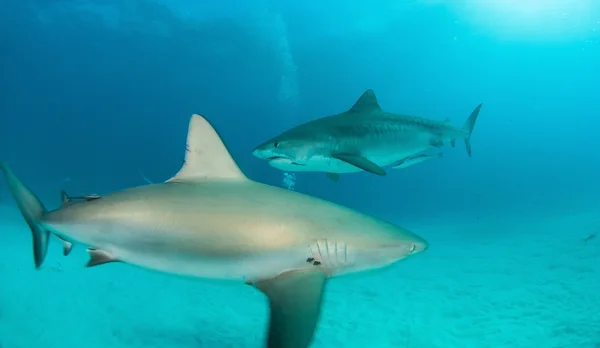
(489, 282)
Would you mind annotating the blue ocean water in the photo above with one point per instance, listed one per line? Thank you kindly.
(95, 96)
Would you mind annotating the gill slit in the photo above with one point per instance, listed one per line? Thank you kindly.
(345, 253)
(319, 249)
(336, 253)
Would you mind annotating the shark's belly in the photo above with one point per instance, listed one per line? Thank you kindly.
(333, 257)
(381, 149)
(248, 267)
(328, 165)
(386, 151)
(381, 156)
(193, 252)
(386, 158)
(158, 250)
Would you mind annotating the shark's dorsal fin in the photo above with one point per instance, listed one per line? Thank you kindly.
(366, 102)
(206, 157)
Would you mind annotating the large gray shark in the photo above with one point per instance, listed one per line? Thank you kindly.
(363, 138)
(211, 221)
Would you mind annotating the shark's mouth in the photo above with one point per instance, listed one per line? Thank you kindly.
(280, 159)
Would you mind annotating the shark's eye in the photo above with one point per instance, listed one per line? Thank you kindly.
(276, 145)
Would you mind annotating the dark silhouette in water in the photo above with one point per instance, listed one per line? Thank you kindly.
(590, 237)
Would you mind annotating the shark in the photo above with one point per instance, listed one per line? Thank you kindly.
(363, 138)
(211, 221)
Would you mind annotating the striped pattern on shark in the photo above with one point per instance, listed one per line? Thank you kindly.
(364, 138)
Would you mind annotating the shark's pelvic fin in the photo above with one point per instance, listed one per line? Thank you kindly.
(99, 257)
(366, 103)
(33, 210)
(206, 156)
(361, 162)
(295, 299)
(67, 246)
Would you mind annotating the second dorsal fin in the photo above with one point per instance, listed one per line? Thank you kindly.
(367, 102)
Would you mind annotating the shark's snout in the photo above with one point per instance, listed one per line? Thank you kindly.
(276, 157)
(267, 151)
(405, 248)
(259, 152)
(409, 248)
(419, 246)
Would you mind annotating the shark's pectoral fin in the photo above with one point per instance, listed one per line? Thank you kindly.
(295, 300)
(67, 246)
(361, 162)
(335, 177)
(99, 257)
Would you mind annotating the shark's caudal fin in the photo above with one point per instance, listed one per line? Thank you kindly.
(206, 156)
(32, 210)
(468, 127)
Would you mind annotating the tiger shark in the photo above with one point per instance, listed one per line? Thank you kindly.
(211, 221)
(364, 138)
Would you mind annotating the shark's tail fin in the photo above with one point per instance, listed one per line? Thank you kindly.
(32, 210)
(468, 127)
